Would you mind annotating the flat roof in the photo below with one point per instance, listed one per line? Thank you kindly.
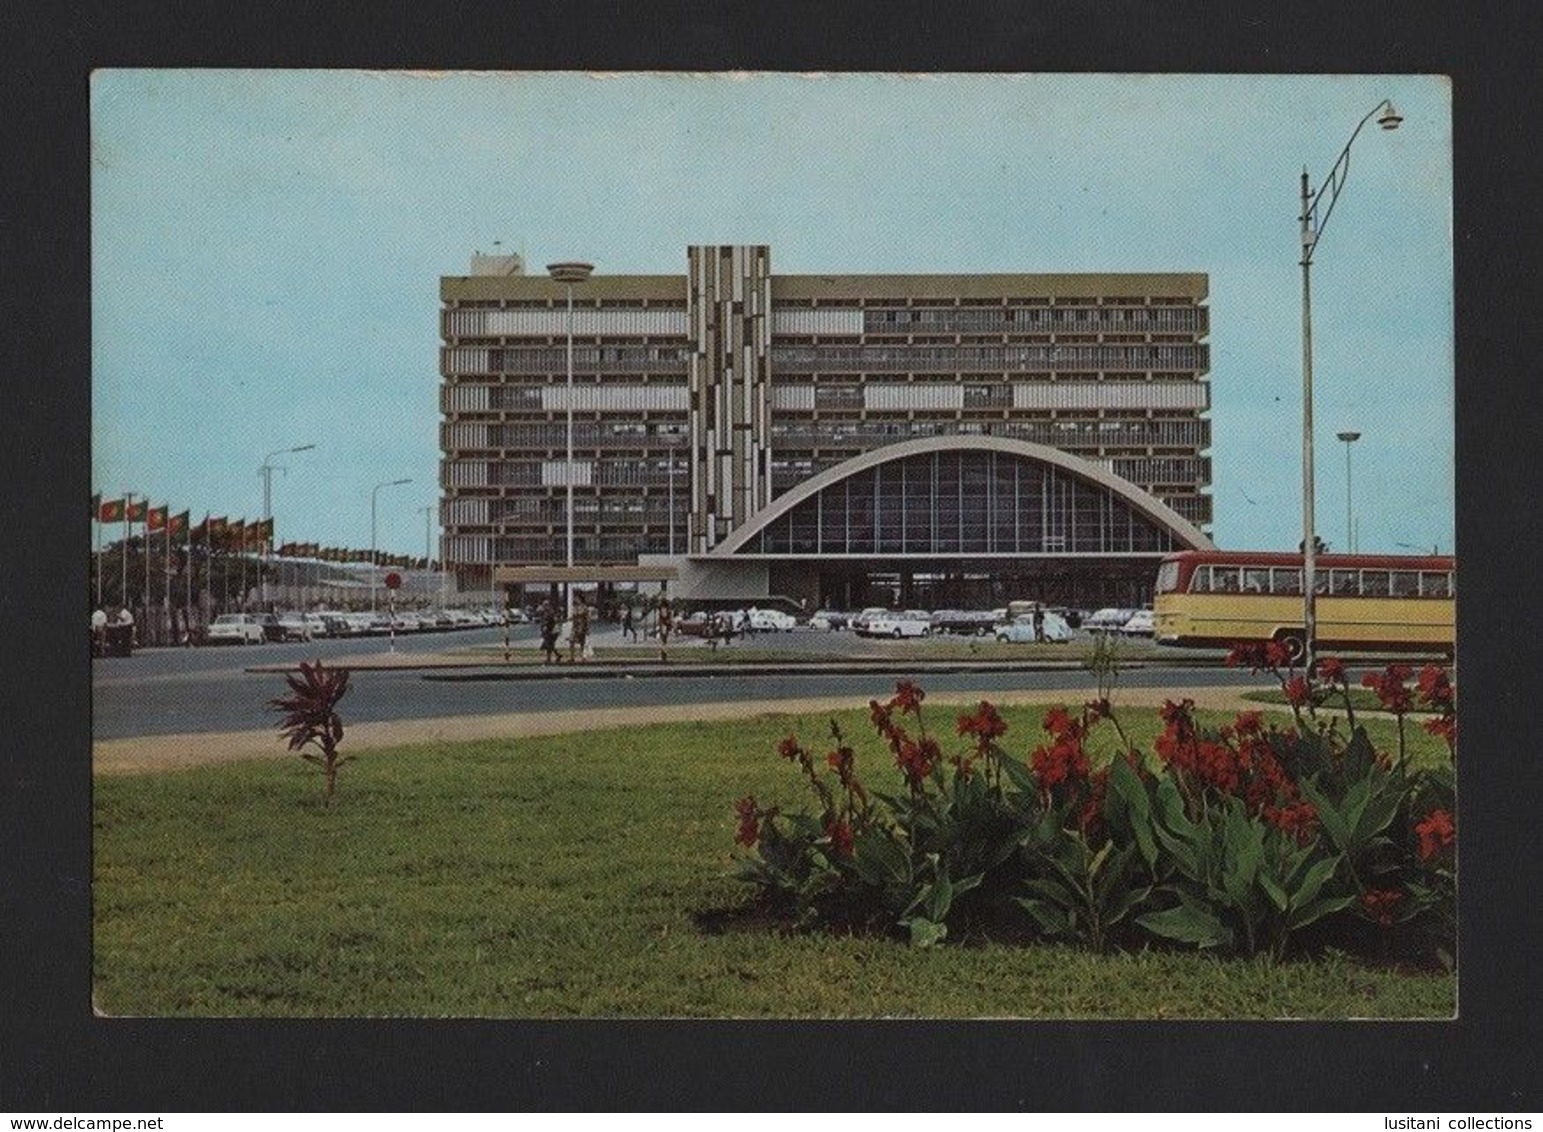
(538, 574)
(1080, 285)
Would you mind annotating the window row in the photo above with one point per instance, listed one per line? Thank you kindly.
(964, 320)
(1332, 582)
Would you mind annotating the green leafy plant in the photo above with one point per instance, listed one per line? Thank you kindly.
(1248, 838)
(311, 718)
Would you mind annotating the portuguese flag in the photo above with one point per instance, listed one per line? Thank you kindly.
(110, 512)
(178, 523)
(156, 518)
(137, 510)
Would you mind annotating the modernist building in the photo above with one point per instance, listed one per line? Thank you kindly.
(929, 439)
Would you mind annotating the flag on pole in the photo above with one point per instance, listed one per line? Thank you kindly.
(202, 530)
(96, 507)
(177, 524)
(156, 517)
(110, 512)
(137, 509)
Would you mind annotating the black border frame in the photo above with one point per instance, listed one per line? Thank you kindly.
(55, 1055)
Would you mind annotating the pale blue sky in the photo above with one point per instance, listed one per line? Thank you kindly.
(267, 247)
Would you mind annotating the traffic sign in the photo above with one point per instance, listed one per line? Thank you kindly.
(393, 580)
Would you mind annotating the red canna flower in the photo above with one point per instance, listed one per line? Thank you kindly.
(1435, 688)
(749, 821)
(1298, 692)
(789, 748)
(1436, 832)
(1276, 655)
(1248, 655)
(1380, 904)
(987, 723)
(1331, 670)
(1296, 818)
(1390, 688)
(908, 697)
(1443, 727)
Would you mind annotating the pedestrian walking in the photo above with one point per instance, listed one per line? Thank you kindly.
(628, 626)
(578, 634)
(666, 626)
(1039, 622)
(548, 634)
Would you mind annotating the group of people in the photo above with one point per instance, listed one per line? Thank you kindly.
(577, 630)
(112, 634)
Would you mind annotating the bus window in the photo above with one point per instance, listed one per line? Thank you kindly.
(1224, 579)
(1321, 582)
(1374, 583)
(1343, 583)
(1200, 580)
(1167, 577)
(1406, 583)
(1256, 580)
(1283, 581)
(1434, 585)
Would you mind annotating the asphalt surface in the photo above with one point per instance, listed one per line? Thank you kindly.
(196, 691)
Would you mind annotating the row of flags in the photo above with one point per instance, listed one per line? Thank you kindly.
(223, 533)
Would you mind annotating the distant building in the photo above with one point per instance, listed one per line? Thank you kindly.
(836, 439)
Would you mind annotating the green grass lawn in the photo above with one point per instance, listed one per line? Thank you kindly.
(564, 877)
(1361, 699)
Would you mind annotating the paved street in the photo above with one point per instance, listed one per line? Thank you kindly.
(172, 691)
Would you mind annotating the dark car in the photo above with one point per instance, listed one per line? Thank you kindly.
(273, 629)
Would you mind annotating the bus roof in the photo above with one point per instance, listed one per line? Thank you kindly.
(1326, 561)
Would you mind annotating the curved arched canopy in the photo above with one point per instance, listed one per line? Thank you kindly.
(964, 495)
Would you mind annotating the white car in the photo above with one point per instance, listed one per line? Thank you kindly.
(1108, 620)
(860, 622)
(239, 628)
(1140, 624)
(897, 626)
(771, 621)
(1021, 630)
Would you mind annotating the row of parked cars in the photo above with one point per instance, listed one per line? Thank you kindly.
(259, 628)
(1016, 622)
(735, 623)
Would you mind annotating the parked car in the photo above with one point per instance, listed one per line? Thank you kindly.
(860, 622)
(967, 622)
(1021, 629)
(272, 630)
(294, 627)
(515, 616)
(1140, 624)
(1108, 620)
(830, 619)
(771, 621)
(895, 625)
(236, 628)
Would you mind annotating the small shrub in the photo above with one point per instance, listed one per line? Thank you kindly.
(311, 718)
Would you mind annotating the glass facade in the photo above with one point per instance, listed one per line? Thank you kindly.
(960, 503)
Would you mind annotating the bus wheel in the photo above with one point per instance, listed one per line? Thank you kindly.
(1295, 642)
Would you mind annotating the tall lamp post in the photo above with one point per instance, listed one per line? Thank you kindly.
(568, 274)
(428, 554)
(266, 472)
(1317, 207)
(1349, 438)
(374, 551)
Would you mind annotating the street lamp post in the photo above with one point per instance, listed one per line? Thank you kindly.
(1317, 207)
(1349, 438)
(266, 472)
(374, 551)
(569, 274)
(428, 554)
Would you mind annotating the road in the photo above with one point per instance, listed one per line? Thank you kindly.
(195, 691)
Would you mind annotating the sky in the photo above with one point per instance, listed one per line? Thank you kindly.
(267, 248)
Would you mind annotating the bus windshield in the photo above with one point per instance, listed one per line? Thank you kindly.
(1167, 577)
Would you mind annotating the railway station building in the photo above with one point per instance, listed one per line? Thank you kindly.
(827, 440)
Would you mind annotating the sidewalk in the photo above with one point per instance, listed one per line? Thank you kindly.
(173, 752)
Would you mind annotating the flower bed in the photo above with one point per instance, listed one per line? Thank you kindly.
(1249, 838)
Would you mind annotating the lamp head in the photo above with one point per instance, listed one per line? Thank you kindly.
(1390, 118)
(570, 272)
(1348, 437)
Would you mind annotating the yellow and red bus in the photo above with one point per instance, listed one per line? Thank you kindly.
(1379, 602)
